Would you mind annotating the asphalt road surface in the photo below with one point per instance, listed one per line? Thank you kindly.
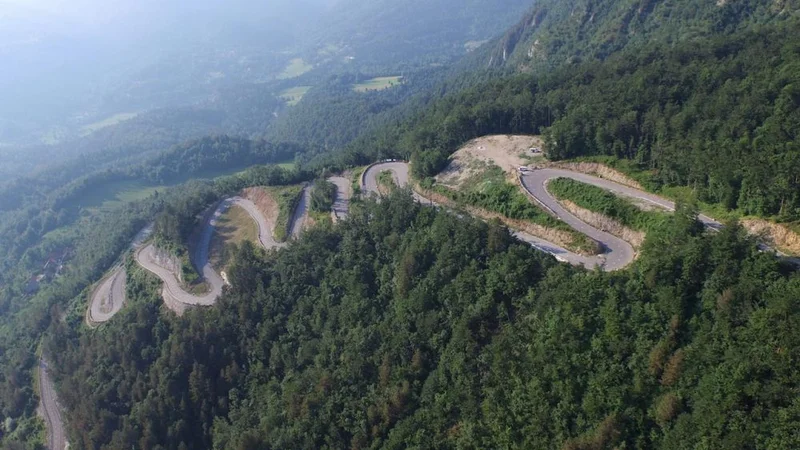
(617, 253)
(56, 439)
(400, 172)
(109, 297)
(300, 216)
(341, 206)
(146, 256)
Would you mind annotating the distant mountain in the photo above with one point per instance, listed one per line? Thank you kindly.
(425, 31)
(555, 32)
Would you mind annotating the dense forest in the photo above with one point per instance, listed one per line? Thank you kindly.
(405, 326)
(555, 33)
(410, 327)
(718, 115)
(96, 242)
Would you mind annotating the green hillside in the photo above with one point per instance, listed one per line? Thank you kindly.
(556, 32)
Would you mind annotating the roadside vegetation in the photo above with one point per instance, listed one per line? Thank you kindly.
(490, 189)
(233, 228)
(448, 330)
(323, 196)
(287, 198)
(603, 202)
(355, 180)
(386, 182)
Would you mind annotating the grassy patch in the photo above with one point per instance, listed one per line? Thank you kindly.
(287, 198)
(355, 180)
(233, 228)
(386, 181)
(491, 191)
(117, 193)
(108, 122)
(676, 193)
(294, 95)
(295, 68)
(323, 196)
(603, 202)
(627, 167)
(378, 84)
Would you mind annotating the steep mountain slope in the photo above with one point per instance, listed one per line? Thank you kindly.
(427, 31)
(555, 32)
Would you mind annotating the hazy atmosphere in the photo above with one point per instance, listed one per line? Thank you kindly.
(382, 224)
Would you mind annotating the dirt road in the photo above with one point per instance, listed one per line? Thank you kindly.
(50, 410)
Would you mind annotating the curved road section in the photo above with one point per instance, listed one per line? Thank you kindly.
(341, 206)
(300, 217)
(149, 258)
(107, 299)
(51, 412)
(617, 254)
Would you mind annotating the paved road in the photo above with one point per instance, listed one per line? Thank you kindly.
(147, 256)
(399, 170)
(300, 217)
(341, 206)
(369, 183)
(56, 439)
(537, 179)
(617, 254)
(109, 297)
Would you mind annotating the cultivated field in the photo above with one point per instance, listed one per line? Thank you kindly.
(294, 95)
(295, 68)
(378, 84)
(110, 121)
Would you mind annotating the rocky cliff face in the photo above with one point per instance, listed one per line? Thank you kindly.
(517, 36)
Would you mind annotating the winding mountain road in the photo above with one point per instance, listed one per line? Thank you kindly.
(149, 258)
(341, 205)
(617, 253)
(300, 216)
(50, 410)
(107, 298)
